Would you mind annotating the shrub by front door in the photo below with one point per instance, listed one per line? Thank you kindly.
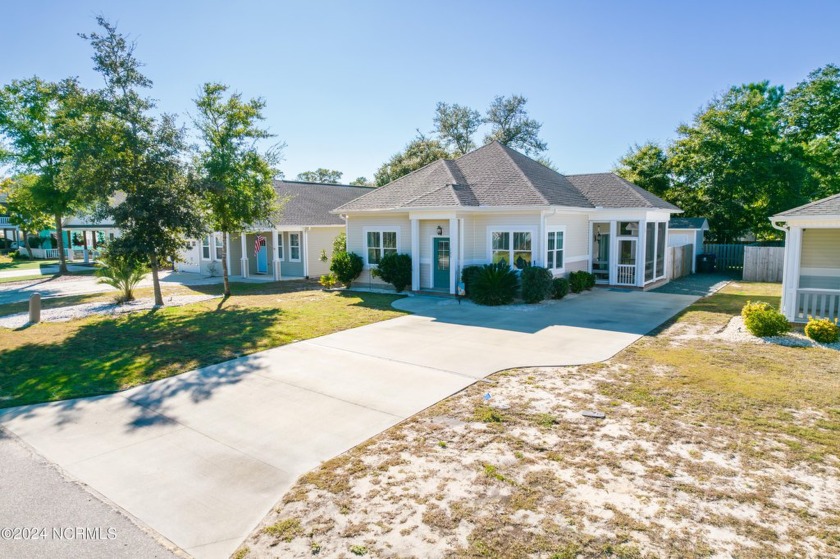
(441, 263)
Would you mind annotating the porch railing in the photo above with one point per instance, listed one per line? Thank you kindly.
(626, 274)
(819, 303)
(5, 221)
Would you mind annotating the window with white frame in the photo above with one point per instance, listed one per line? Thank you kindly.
(380, 243)
(555, 239)
(294, 247)
(515, 248)
(220, 247)
(280, 246)
(205, 248)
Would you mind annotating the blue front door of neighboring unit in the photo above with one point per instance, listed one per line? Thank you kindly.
(262, 258)
(441, 263)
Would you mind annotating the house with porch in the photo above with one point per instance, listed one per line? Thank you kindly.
(811, 277)
(495, 204)
(299, 245)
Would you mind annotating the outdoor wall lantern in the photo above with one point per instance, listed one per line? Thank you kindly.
(440, 230)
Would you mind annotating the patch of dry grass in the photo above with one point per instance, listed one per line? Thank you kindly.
(709, 449)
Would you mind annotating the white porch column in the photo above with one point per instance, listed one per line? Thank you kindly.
(790, 279)
(454, 256)
(415, 255)
(275, 259)
(243, 262)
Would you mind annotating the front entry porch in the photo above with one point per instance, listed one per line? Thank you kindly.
(271, 254)
(628, 253)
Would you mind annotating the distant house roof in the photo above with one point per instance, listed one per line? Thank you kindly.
(495, 175)
(309, 203)
(827, 207)
(688, 223)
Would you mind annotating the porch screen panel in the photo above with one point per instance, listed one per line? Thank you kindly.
(660, 249)
(501, 247)
(650, 250)
(521, 249)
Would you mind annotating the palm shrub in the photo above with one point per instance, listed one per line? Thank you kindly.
(762, 320)
(346, 266)
(494, 284)
(468, 277)
(394, 269)
(822, 330)
(537, 284)
(561, 287)
(121, 271)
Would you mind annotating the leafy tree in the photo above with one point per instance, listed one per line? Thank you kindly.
(130, 152)
(456, 125)
(511, 126)
(733, 165)
(361, 181)
(23, 209)
(417, 154)
(812, 121)
(237, 177)
(324, 176)
(37, 120)
(647, 166)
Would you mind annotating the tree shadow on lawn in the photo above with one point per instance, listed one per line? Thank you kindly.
(108, 355)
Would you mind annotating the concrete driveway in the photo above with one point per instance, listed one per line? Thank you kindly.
(203, 456)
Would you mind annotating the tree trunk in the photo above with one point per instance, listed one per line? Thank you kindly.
(26, 244)
(156, 280)
(224, 264)
(62, 261)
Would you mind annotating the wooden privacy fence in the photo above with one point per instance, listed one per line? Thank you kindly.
(679, 261)
(728, 258)
(764, 263)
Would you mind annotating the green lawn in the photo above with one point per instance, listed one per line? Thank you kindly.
(7, 263)
(56, 361)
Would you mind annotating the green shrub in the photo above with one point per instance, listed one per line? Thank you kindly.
(537, 284)
(579, 281)
(494, 284)
(122, 272)
(340, 243)
(822, 330)
(762, 320)
(328, 280)
(346, 266)
(561, 287)
(468, 275)
(394, 269)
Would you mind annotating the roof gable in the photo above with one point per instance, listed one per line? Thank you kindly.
(820, 208)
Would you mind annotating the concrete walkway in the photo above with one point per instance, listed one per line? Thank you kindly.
(203, 456)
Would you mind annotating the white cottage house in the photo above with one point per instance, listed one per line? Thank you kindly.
(811, 279)
(298, 246)
(495, 204)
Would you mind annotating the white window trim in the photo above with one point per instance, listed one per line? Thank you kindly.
(556, 229)
(299, 246)
(280, 249)
(218, 244)
(209, 245)
(380, 230)
(511, 229)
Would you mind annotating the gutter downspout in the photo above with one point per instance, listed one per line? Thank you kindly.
(787, 271)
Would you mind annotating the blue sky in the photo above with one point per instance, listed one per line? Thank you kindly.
(347, 83)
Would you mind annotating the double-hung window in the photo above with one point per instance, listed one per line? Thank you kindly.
(294, 247)
(280, 246)
(205, 248)
(220, 247)
(380, 243)
(515, 248)
(554, 249)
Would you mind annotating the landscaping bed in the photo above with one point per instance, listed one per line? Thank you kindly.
(710, 448)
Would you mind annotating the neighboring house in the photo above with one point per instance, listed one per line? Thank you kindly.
(688, 231)
(811, 279)
(299, 246)
(11, 233)
(495, 204)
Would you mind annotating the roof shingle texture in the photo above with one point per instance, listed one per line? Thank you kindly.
(310, 203)
(495, 175)
(826, 207)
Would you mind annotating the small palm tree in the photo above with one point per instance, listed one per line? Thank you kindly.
(121, 272)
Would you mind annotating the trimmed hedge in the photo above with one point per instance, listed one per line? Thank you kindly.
(822, 330)
(537, 284)
(494, 284)
(468, 275)
(346, 266)
(579, 281)
(762, 320)
(561, 287)
(394, 269)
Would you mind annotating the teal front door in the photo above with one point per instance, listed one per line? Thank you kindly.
(441, 263)
(262, 258)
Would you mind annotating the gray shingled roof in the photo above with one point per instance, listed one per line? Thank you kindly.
(686, 222)
(826, 207)
(310, 202)
(495, 175)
